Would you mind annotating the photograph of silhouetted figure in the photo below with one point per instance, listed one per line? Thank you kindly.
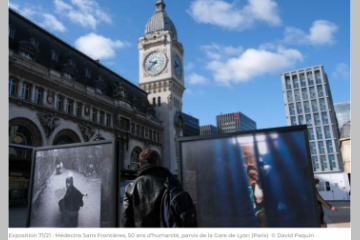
(70, 197)
(71, 203)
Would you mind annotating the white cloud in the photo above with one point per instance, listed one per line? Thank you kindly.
(90, 6)
(98, 46)
(265, 10)
(26, 11)
(195, 78)
(321, 33)
(87, 13)
(85, 20)
(253, 63)
(13, 5)
(189, 66)
(62, 6)
(230, 50)
(342, 71)
(217, 52)
(229, 16)
(51, 22)
(294, 35)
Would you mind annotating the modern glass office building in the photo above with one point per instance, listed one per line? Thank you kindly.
(207, 130)
(234, 122)
(190, 125)
(342, 111)
(308, 100)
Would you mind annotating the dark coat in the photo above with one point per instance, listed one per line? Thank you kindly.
(142, 198)
(72, 200)
(70, 206)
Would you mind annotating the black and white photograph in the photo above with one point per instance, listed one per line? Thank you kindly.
(73, 187)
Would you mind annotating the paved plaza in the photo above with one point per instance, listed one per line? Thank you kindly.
(340, 219)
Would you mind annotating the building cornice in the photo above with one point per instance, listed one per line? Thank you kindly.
(51, 79)
(75, 119)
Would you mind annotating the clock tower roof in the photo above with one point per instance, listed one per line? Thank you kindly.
(160, 21)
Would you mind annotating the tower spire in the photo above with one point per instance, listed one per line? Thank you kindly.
(160, 5)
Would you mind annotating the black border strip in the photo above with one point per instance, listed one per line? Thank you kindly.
(240, 133)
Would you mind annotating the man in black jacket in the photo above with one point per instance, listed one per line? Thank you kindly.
(142, 198)
(71, 203)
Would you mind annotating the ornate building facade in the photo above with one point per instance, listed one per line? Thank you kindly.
(59, 95)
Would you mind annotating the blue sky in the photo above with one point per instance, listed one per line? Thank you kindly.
(235, 50)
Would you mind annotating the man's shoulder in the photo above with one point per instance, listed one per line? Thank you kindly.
(158, 177)
(153, 169)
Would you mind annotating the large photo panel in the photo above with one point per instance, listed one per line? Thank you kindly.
(74, 186)
(251, 179)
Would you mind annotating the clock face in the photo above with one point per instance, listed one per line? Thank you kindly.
(177, 65)
(155, 62)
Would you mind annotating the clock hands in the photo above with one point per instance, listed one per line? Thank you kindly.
(152, 64)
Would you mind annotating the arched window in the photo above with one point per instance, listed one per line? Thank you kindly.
(154, 102)
(25, 127)
(19, 134)
(134, 158)
(66, 136)
(159, 101)
(64, 139)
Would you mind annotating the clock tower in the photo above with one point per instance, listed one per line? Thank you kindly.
(161, 75)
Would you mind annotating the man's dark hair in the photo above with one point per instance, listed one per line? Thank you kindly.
(250, 167)
(149, 156)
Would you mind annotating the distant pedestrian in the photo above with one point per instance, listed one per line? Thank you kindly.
(320, 202)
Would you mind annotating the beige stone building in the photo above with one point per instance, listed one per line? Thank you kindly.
(345, 147)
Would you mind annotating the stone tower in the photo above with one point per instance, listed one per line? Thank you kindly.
(161, 75)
